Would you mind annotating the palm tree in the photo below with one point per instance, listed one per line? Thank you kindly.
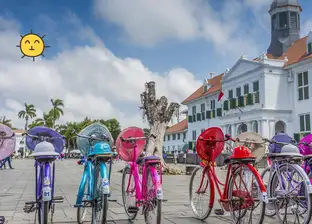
(57, 110)
(29, 112)
(5, 121)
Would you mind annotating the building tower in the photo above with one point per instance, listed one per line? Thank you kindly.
(285, 25)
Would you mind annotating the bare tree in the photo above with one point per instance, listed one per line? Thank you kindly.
(158, 114)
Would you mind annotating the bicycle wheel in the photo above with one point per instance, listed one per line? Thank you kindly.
(83, 211)
(43, 212)
(199, 191)
(100, 203)
(128, 193)
(269, 208)
(290, 187)
(152, 205)
(244, 195)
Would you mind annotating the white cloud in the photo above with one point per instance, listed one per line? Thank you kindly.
(91, 80)
(150, 22)
(306, 27)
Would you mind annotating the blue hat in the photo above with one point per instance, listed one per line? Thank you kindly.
(101, 148)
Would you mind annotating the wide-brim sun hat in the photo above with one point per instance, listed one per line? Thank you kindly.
(7, 145)
(44, 131)
(98, 129)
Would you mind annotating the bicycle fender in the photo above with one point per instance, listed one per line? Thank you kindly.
(104, 178)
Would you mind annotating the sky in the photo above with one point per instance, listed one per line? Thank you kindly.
(103, 51)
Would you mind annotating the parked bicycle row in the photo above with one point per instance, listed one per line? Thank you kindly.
(282, 190)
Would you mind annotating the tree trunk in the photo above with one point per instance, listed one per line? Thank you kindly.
(158, 115)
(154, 146)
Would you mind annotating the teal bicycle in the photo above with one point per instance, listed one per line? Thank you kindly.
(94, 188)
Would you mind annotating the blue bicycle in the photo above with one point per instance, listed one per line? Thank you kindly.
(94, 188)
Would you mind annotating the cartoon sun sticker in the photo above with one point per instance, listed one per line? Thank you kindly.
(32, 45)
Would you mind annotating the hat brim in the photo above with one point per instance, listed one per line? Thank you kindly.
(103, 153)
(44, 154)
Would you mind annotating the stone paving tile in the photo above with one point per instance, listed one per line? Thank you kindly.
(17, 186)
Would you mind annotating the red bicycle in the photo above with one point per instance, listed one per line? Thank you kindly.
(243, 191)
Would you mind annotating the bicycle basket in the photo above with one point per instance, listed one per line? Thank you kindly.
(7, 146)
(306, 150)
(209, 151)
(280, 137)
(125, 149)
(99, 130)
(257, 148)
(48, 132)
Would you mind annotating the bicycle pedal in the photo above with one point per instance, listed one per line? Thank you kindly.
(29, 203)
(112, 200)
(219, 211)
(164, 200)
(58, 198)
(132, 209)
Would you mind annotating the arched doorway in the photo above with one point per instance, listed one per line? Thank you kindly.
(280, 126)
(242, 128)
(255, 127)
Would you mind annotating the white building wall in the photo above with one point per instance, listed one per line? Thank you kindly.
(302, 106)
(171, 145)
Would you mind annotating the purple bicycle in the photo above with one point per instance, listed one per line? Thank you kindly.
(46, 145)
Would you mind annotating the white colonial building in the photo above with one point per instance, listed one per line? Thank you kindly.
(266, 95)
(20, 140)
(175, 137)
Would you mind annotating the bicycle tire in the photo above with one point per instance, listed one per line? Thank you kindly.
(45, 212)
(268, 212)
(231, 184)
(158, 201)
(81, 211)
(44, 205)
(306, 180)
(206, 215)
(103, 199)
(126, 171)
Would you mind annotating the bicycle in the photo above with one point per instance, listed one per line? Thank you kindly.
(94, 188)
(249, 189)
(284, 188)
(140, 191)
(306, 150)
(46, 145)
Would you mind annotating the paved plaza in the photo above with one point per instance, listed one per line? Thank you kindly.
(17, 186)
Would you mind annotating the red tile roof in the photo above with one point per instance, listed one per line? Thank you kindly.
(179, 127)
(215, 84)
(297, 52)
(18, 131)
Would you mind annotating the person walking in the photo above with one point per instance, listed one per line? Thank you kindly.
(7, 160)
(175, 156)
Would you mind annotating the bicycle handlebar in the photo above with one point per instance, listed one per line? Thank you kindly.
(134, 139)
(287, 143)
(42, 137)
(226, 138)
(6, 137)
(90, 137)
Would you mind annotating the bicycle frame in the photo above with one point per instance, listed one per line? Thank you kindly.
(209, 170)
(90, 175)
(140, 181)
(44, 180)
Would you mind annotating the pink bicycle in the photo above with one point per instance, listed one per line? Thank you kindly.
(140, 190)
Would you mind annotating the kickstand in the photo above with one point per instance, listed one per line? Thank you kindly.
(36, 215)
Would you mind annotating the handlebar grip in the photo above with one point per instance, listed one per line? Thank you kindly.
(25, 133)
